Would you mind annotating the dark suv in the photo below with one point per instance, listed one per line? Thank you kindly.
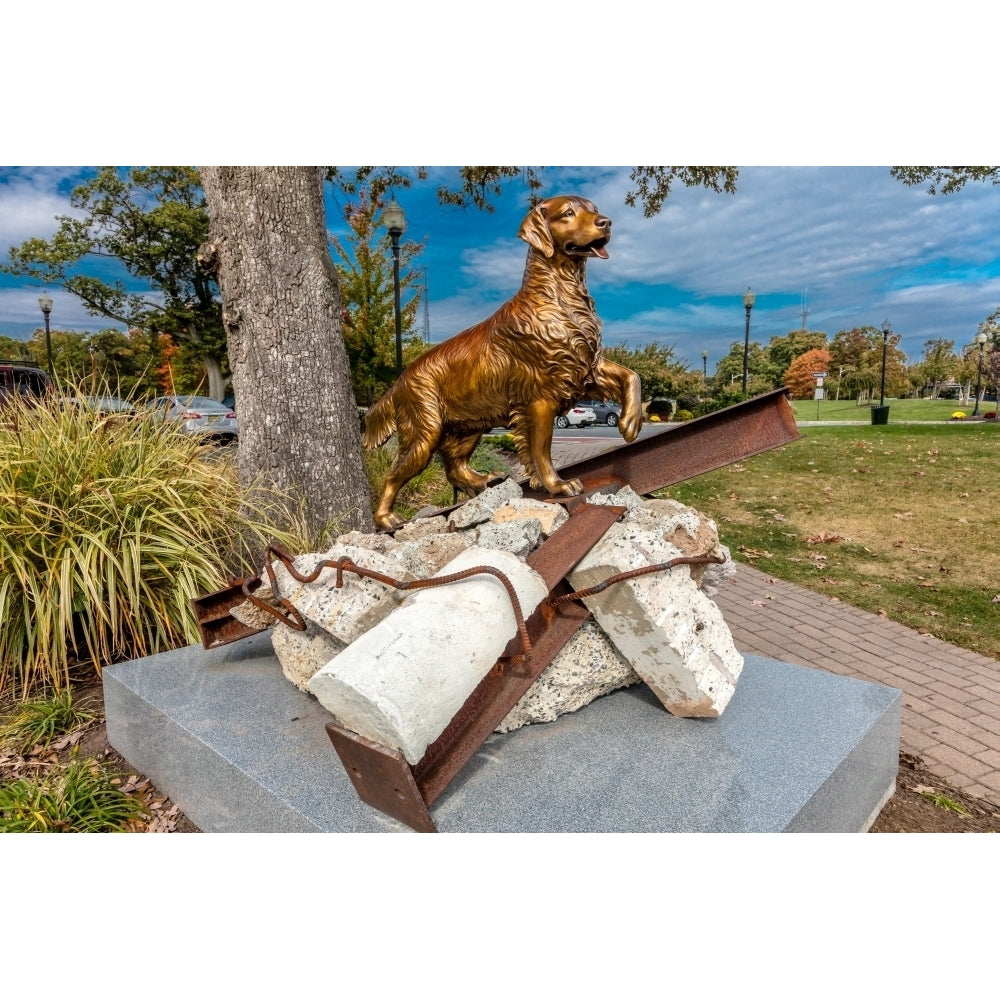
(25, 379)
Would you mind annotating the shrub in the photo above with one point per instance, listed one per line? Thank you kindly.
(958, 415)
(108, 527)
(992, 415)
(683, 415)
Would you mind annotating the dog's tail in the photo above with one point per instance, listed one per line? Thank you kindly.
(380, 422)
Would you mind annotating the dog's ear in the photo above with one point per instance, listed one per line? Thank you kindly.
(535, 231)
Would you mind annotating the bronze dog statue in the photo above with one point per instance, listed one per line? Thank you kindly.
(521, 368)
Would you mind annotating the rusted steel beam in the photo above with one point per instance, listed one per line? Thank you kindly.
(508, 680)
(685, 450)
(216, 625)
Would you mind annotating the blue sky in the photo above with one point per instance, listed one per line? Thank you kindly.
(854, 244)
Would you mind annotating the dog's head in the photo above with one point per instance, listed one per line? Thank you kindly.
(567, 225)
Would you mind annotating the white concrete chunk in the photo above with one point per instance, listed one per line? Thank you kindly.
(672, 634)
(482, 507)
(401, 683)
(358, 605)
(550, 516)
(424, 555)
(517, 537)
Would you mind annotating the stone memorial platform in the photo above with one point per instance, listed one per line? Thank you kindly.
(239, 749)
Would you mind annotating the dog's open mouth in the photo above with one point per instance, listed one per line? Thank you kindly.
(593, 249)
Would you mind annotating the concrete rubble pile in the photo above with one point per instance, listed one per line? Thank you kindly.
(395, 666)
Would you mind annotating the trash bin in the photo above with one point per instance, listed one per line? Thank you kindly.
(880, 414)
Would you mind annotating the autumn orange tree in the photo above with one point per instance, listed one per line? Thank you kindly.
(800, 376)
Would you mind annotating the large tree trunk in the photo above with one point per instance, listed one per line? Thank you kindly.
(299, 428)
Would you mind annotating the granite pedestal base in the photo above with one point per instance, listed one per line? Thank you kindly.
(239, 749)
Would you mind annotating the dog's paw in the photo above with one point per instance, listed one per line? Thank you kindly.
(566, 488)
(388, 522)
(630, 425)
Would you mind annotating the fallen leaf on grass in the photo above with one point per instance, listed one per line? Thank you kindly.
(905, 516)
(824, 538)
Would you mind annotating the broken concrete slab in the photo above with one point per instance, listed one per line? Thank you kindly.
(587, 667)
(674, 636)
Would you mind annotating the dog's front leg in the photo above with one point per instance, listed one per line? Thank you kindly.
(541, 416)
(618, 382)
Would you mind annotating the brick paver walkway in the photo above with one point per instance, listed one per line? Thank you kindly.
(951, 696)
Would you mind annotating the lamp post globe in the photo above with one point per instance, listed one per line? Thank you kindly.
(748, 300)
(981, 339)
(45, 303)
(394, 220)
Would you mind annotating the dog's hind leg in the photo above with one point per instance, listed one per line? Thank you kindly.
(455, 452)
(413, 458)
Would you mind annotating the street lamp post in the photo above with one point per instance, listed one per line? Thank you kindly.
(46, 305)
(886, 330)
(981, 339)
(704, 366)
(748, 300)
(394, 221)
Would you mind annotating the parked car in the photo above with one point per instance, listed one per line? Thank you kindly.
(24, 379)
(197, 415)
(577, 416)
(102, 404)
(606, 412)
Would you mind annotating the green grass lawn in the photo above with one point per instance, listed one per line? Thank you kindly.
(899, 409)
(901, 520)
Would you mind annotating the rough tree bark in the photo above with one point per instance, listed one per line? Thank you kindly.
(299, 428)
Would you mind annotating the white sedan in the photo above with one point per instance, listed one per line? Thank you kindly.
(577, 416)
(197, 415)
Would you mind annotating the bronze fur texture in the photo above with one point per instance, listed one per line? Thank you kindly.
(523, 366)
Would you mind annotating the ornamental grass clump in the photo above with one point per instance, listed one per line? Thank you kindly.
(108, 527)
(78, 798)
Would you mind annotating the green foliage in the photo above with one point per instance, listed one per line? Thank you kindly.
(78, 798)
(431, 488)
(37, 723)
(782, 351)
(501, 442)
(367, 292)
(659, 371)
(763, 376)
(683, 415)
(652, 184)
(15, 350)
(943, 802)
(946, 180)
(859, 352)
(151, 220)
(478, 187)
(108, 527)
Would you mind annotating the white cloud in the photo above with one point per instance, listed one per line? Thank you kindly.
(30, 200)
